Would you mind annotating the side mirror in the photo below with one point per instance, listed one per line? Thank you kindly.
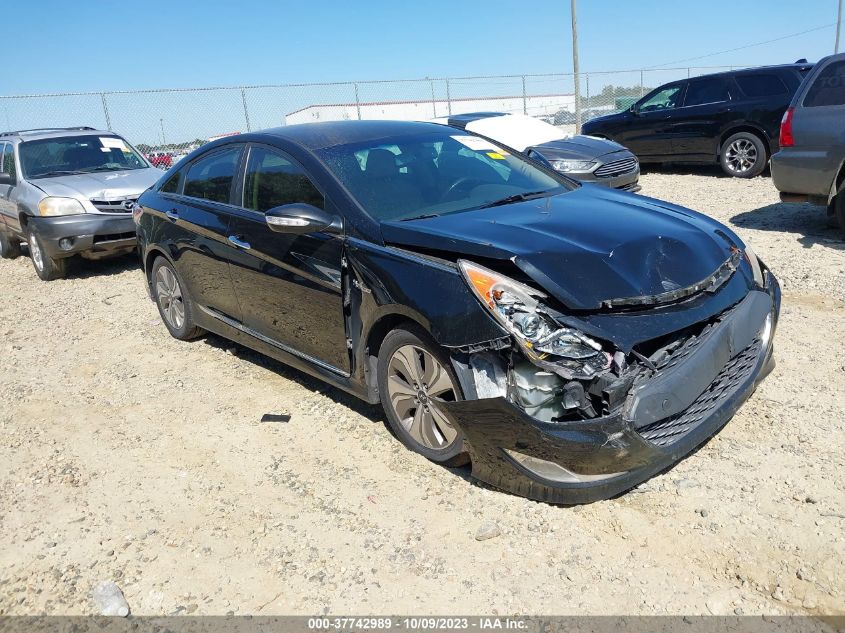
(633, 110)
(301, 218)
(5, 179)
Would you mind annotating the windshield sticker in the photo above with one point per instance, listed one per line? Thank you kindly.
(496, 155)
(109, 143)
(476, 144)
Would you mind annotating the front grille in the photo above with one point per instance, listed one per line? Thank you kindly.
(734, 373)
(113, 206)
(113, 237)
(616, 168)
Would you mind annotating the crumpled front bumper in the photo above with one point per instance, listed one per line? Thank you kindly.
(609, 455)
(90, 233)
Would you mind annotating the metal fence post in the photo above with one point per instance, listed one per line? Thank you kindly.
(106, 111)
(524, 97)
(433, 102)
(448, 98)
(357, 102)
(641, 84)
(246, 112)
(587, 81)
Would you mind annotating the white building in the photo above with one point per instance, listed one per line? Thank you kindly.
(535, 105)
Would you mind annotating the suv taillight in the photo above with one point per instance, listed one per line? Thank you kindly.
(786, 138)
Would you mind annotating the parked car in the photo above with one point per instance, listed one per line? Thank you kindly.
(584, 158)
(732, 118)
(571, 341)
(564, 117)
(66, 192)
(162, 160)
(810, 165)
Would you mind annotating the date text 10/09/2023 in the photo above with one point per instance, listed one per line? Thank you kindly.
(421, 623)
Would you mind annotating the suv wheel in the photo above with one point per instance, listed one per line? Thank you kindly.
(174, 304)
(743, 155)
(47, 268)
(838, 206)
(10, 246)
(414, 378)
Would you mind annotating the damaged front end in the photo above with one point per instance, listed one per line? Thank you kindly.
(567, 417)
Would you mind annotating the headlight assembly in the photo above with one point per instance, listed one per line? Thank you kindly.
(520, 310)
(53, 206)
(573, 166)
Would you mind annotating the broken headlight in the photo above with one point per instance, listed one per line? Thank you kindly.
(520, 310)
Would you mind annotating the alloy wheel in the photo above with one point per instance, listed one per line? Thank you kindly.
(417, 385)
(35, 253)
(741, 156)
(169, 295)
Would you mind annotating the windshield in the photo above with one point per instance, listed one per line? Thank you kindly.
(77, 155)
(435, 173)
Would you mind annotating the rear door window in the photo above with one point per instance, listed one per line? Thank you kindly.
(704, 91)
(7, 160)
(761, 85)
(828, 88)
(211, 177)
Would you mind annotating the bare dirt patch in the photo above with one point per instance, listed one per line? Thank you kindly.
(127, 455)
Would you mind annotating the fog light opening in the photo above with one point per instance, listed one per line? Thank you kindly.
(552, 471)
(66, 243)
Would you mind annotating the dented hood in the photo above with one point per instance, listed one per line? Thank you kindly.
(584, 247)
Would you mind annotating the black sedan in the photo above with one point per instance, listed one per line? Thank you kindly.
(568, 341)
(585, 158)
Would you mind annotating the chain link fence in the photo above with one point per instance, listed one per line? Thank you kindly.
(167, 123)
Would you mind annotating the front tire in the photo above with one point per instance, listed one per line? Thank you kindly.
(47, 268)
(174, 304)
(10, 246)
(838, 206)
(743, 155)
(414, 378)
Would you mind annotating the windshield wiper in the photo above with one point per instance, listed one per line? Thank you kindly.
(421, 217)
(517, 197)
(58, 172)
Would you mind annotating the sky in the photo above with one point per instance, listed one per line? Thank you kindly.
(93, 45)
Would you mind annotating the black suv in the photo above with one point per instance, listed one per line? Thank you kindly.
(733, 118)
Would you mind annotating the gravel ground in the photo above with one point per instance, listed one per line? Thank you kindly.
(127, 455)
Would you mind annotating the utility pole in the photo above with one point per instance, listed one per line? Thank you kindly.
(838, 27)
(575, 70)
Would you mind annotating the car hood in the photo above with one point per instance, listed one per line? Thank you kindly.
(100, 185)
(584, 247)
(586, 147)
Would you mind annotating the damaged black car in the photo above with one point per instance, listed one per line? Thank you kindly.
(568, 341)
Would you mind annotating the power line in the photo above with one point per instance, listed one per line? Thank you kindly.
(741, 48)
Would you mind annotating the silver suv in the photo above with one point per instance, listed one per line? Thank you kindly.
(810, 166)
(69, 191)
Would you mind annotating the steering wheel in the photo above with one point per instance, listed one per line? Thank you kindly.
(460, 182)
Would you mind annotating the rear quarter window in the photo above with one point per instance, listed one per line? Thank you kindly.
(761, 85)
(828, 88)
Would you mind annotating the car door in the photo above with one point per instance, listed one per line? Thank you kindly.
(697, 125)
(8, 206)
(288, 286)
(196, 212)
(648, 130)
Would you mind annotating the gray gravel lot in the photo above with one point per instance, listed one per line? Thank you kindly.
(128, 456)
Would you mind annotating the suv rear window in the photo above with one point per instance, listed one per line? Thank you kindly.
(828, 87)
(761, 85)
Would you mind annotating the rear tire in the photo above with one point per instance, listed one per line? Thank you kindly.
(838, 206)
(743, 155)
(47, 268)
(174, 304)
(10, 246)
(414, 375)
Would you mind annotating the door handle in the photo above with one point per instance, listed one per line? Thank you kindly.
(234, 239)
(172, 215)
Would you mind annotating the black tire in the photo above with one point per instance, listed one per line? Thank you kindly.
(838, 205)
(47, 268)
(172, 300)
(743, 155)
(10, 246)
(453, 452)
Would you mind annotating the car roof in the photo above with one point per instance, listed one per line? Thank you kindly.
(800, 66)
(40, 133)
(314, 136)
